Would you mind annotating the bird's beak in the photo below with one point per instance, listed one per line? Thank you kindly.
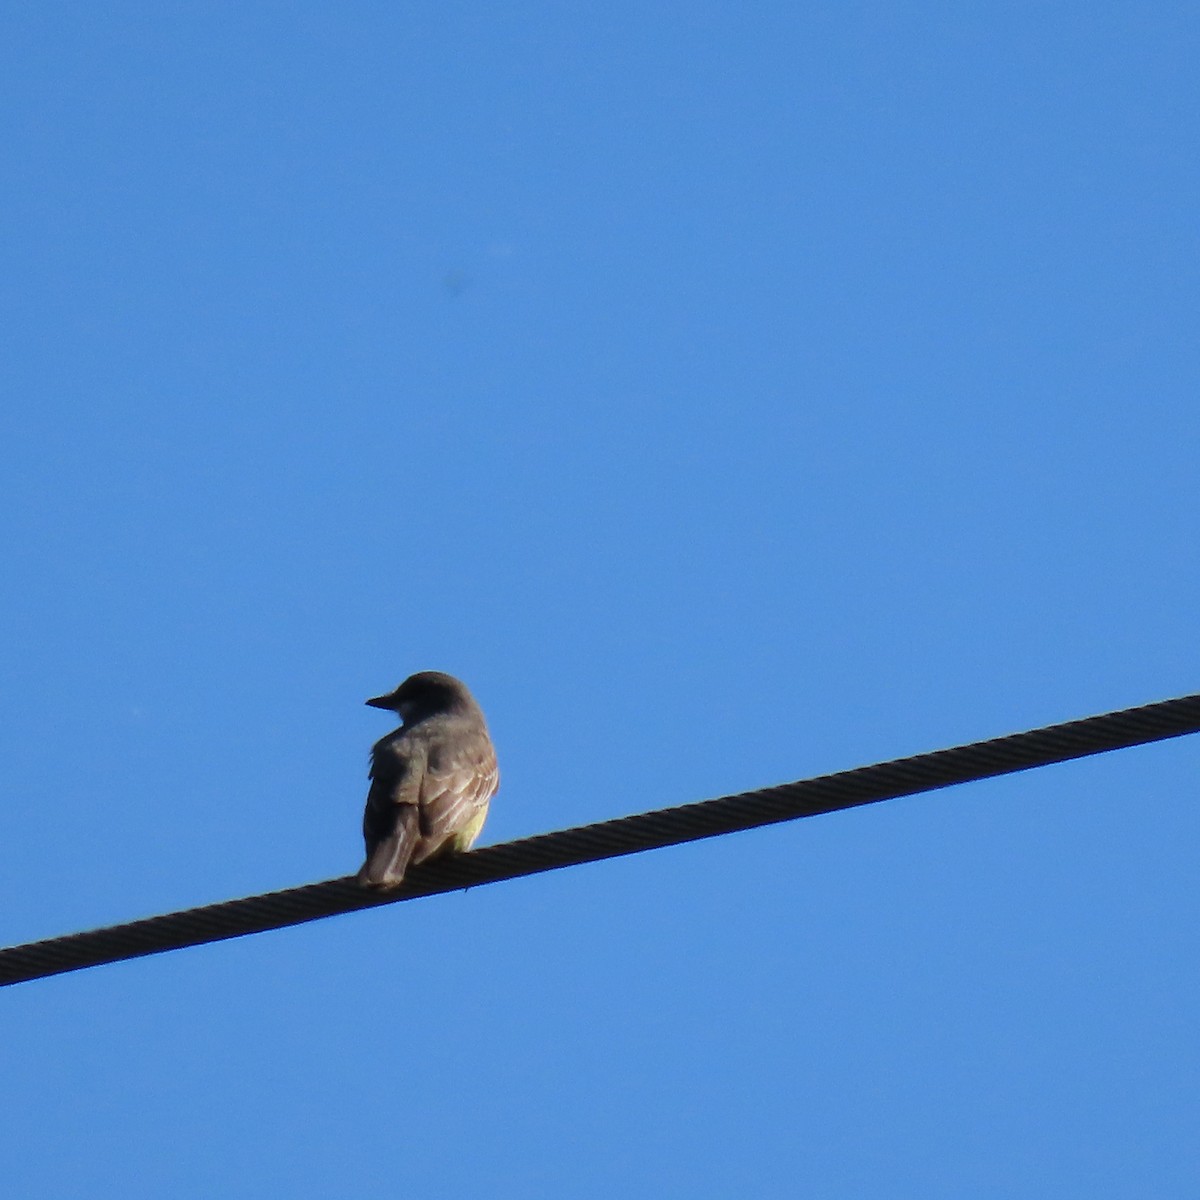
(388, 702)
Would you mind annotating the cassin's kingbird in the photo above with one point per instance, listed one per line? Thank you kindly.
(431, 779)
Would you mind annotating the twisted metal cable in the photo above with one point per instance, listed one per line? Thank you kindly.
(611, 839)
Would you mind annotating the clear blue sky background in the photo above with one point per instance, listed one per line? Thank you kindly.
(729, 394)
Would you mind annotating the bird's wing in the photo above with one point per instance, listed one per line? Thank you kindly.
(391, 821)
(460, 778)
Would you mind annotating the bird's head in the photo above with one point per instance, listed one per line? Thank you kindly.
(424, 694)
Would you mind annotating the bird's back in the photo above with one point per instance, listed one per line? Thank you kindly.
(431, 783)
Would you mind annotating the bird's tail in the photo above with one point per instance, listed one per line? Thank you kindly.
(388, 859)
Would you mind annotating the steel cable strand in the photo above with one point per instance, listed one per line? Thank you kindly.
(610, 839)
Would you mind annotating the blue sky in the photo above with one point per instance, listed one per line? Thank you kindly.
(729, 395)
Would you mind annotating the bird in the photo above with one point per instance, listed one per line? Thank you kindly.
(431, 780)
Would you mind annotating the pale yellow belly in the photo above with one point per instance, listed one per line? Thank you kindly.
(464, 839)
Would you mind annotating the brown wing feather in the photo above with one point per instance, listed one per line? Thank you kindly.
(460, 779)
(391, 821)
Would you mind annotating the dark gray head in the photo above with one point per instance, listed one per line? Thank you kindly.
(424, 694)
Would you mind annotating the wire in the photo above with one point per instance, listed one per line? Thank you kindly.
(611, 839)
